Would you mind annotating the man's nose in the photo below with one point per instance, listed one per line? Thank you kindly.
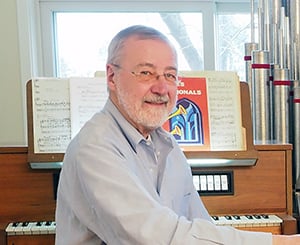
(160, 86)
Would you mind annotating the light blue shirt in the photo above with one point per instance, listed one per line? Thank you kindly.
(115, 186)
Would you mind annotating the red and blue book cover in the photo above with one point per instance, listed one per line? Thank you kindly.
(189, 121)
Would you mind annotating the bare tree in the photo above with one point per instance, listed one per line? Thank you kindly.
(178, 31)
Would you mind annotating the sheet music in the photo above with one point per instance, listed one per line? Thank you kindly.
(225, 111)
(51, 115)
(87, 96)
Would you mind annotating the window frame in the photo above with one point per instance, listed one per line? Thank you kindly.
(36, 36)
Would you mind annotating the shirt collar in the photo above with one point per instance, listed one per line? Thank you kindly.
(133, 136)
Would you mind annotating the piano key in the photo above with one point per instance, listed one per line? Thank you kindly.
(36, 228)
(52, 228)
(44, 228)
(10, 229)
(27, 228)
(19, 229)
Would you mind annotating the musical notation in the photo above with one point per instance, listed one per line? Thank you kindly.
(87, 96)
(226, 131)
(61, 107)
(51, 115)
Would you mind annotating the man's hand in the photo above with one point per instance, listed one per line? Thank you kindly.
(286, 240)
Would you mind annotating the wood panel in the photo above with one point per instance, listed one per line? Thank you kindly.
(31, 240)
(26, 194)
(258, 189)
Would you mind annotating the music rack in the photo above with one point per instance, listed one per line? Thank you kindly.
(196, 157)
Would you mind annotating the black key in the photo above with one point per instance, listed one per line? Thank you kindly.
(15, 224)
(24, 224)
(215, 217)
(228, 217)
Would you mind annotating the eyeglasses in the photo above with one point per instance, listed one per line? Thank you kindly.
(146, 74)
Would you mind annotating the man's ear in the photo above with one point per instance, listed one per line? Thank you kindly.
(110, 76)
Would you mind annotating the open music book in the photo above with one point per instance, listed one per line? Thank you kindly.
(61, 107)
(58, 107)
(208, 112)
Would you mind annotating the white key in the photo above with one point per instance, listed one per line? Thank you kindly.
(36, 228)
(10, 229)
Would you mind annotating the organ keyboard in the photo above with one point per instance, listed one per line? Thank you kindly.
(238, 221)
(30, 228)
(31, 233)
(251, 222)
(247, 220)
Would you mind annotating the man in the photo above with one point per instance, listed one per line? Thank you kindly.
(124, 179)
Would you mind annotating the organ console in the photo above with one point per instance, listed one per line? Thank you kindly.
(263, 189)
(257, 197)
(261, 200)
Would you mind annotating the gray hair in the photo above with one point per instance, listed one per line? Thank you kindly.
(141, 32)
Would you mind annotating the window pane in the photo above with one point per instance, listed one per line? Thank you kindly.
(233, 31)
(82, 38)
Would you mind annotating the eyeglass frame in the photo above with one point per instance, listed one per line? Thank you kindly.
(153, 75)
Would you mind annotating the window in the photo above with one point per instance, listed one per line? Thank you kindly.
(70, 37)
(82, 38)
(233, 28)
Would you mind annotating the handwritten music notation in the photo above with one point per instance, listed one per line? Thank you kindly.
(226, 131)
(60, 108)
(87, 96)
(51, 115)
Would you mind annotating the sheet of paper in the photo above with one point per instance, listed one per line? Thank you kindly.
(224, 105)
(87, 96)
(224, 110)
(51, 115)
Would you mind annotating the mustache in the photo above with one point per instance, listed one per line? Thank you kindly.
(157, 99)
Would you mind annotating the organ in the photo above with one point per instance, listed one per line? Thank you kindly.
(28, 195)
(257, 197)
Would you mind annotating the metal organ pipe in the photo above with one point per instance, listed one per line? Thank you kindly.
(296, 146)
(261, 95)
(281, 90)
(275, 77)
(249, 47)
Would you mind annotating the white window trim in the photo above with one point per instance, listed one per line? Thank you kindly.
(35, 16)
(37, 58)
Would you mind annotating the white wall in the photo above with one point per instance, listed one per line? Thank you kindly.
(12, 129)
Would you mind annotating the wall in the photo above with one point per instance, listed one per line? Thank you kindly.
(11, 102)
